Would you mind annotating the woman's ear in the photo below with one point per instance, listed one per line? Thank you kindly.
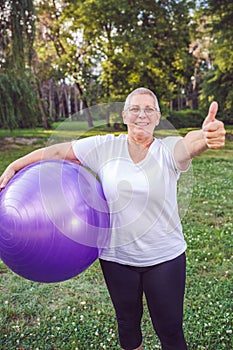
(158, 118)
(124, 117)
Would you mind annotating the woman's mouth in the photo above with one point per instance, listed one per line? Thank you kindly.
(141, 124)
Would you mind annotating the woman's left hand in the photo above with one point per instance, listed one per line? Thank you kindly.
(213, 129)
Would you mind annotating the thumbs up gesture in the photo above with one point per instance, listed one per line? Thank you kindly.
(213, 129)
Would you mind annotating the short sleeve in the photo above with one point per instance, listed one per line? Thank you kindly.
(89, 150)
(169, 143)
(85, 151)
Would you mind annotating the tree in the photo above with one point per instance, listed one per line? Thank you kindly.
(17, 100)
(63, 50)
(17, 33)
(218, 72)
(139, 42)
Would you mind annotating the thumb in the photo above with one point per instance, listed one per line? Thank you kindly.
(212, 113)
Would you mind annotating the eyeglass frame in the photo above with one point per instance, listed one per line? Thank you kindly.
(142, 109)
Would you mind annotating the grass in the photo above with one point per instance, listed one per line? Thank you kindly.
(78, 314)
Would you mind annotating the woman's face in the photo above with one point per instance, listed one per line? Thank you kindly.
(141, 116)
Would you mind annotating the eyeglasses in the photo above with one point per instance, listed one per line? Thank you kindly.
(135, 111)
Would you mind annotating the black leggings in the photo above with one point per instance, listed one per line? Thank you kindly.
(163, 285)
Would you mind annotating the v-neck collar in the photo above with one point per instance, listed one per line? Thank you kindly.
(146, 155)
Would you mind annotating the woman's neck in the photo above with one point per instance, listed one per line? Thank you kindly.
(140, 142)
(138, 147)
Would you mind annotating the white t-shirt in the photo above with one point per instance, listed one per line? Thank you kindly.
(142, 198)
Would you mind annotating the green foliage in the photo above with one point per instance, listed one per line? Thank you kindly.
(16, 34)
(150, 52)
(218, 86)
(186, 119)
(109, 47)
(218, 82)
(18, 103)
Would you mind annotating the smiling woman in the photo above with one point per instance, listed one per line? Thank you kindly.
(141, 115)
(139, 175)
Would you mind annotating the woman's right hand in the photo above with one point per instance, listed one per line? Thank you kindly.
(6, 176)
(57, 151)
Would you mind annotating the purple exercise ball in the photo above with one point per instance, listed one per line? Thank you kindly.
(54, 221)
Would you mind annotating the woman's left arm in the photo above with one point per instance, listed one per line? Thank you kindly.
(212, 135)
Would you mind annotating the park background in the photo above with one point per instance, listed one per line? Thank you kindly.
(58, 59)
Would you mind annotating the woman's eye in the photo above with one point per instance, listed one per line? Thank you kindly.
(149, 110)
(134, 110)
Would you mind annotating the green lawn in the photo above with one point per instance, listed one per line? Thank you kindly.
(78, 314)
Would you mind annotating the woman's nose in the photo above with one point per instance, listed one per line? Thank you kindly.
(142, 113)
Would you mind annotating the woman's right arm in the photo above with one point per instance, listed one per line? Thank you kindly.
(58, 151)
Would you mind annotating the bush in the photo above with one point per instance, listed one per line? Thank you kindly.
(186, 119)
(18, 102)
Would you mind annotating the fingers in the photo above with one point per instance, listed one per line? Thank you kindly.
(213, 129)
(212, 113)
(2, 185)
(213, 126)
(5, 178)
(214, 134)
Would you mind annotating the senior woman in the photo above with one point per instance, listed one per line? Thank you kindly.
(139, 175)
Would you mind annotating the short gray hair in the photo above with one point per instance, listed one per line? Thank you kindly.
(141, 91)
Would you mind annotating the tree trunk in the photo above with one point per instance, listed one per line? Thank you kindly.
(75, 99)
(108, 111)
(85, 105)
(60, 100)
(67, 99)
(44, 118)
(51, 99)
(171, 105)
